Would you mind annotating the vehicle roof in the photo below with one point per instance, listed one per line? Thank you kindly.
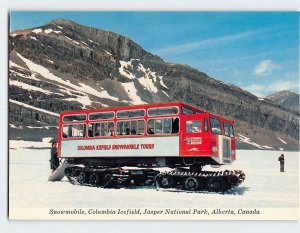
(147, 106)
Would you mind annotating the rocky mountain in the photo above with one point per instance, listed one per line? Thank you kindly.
(286, 99)
(63, 65)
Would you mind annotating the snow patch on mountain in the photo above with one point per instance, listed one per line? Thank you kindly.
(34, 38)
(148, 84)
(166, 94)
(13, 126)
(83, 89)
(12, 64)
(84, 43)
(47, 31)
(18, 74)
(284, 142)
(132, 93)
(107, 52)
(29, 87)
(37, 30)
(34, 108)
(147, 80)
(247, 140)
(84, 100)
(74, 41)
(126, 73)
(150, 78)
(102, 94)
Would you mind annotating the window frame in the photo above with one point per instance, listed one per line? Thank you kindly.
(130, 135)
(200, 126)
(174, 114)
(66, 138)
(131, 110)
(231, 126)
(211, 128)
(163, 134)
(103, 119)
(74, 115)
(205, 126)
(188, 110)
(101, 122)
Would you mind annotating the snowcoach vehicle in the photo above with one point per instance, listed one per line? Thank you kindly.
(117, 146)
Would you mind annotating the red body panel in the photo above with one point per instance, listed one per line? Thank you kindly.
(204, 143)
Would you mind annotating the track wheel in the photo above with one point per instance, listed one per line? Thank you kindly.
(107, 180)
(69, 175)
(191, 183)
(94, 179)
(83, 177)
(166, 181)
(216, 185)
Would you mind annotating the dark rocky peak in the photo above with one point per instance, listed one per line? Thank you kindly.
(281, 95)
(120, 46)
(286, 99)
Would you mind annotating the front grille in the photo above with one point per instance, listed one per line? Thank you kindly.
(226, 149)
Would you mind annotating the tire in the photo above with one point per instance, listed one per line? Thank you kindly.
(139, 181)
(83, 177)
(107, 180)
(69, 175)
(191, 183)
(166, 181)
(94, 179)
(216, 185)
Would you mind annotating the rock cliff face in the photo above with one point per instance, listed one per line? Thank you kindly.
(64, 65)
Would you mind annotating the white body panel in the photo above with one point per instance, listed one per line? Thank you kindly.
(121, 147)
(220, 148)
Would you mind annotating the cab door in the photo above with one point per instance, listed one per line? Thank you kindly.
(191, 135)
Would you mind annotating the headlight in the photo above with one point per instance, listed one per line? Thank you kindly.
(214, 149)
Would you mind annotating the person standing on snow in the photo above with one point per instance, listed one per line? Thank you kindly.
(54, 162)
(281, 160)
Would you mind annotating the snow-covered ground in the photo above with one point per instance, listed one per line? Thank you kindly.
(264, 187)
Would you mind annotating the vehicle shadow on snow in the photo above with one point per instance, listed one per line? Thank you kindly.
(234, 191)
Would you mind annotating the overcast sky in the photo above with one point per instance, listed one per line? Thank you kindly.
(257, 51)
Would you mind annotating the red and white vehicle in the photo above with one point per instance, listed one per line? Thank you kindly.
(166, 134)
(153, 135)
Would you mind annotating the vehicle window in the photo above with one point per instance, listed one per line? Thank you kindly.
(73, 131)
(120, 127)
(215, 126)
(101, 129)
(158, 126)
(163, 126)
(167, 125)
(140, 127)
(175, 125)
(135, 127)
(150, 129)
(131, 113)
(71, 118)
(228, 130)
(101, 116)
(187, 111)
(193, 126)
(163, 111)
